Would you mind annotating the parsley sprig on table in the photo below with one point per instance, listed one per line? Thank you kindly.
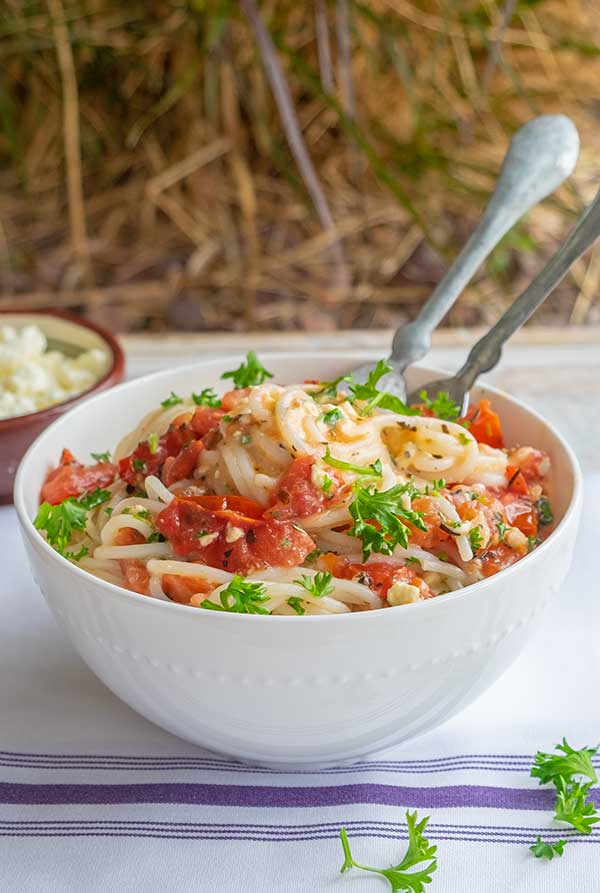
(564, 770)
(240, 597)
(59, 521)
(379, 517)
(401, 878)
(250, 373)
(543, 850)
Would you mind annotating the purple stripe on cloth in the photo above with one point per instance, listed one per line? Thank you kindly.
(270, 796)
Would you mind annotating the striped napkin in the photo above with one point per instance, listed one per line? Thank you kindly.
(95, 798)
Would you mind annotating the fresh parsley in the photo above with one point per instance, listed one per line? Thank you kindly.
(101, 457)
(153, 443)
(400, 877)
(463, 438)
(565, 765)
(373, 397)
(544, 511)
(572, 807)
(379, 518)
(138, 464)
(59, 521)
(333, 416)
(443, 407)
(475, 538)
(172, 400)
(543, 850)
(319, 585)
(373, 470)
(240, 597)
(327, 484)
(312, 556)
(156, 537)
(296, 603)
(207, 397)
(501, 527)
(329, 388)
(250, 373)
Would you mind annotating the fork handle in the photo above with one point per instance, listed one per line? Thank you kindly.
(541, 155)
(486, 353)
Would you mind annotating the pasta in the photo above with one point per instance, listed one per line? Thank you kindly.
(299, 499)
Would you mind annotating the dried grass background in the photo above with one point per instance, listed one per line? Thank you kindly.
(147, 180)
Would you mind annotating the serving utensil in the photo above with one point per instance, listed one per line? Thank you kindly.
(540, 156)
(486, 353)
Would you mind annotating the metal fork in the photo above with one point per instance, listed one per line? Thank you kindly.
(486, 353)
(541, 155)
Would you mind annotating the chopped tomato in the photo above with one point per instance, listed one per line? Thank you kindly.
(484, 424)
(516, 481)
(229, 532)
(377, 575)
(498, 558)
(134, 571)
(533, 464)
(520, 513)
(434, 536)
(180, 589)
(182, 466)
(71, 478)
(205, 419)
(297, 495)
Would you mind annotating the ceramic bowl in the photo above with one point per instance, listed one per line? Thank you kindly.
(294, 690)
(17, 433)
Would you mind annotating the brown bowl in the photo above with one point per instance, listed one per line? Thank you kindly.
(17, 433)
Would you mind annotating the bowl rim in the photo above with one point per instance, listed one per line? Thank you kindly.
(438, 603)
(115, 369)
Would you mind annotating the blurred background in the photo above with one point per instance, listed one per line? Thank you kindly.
(150, 180)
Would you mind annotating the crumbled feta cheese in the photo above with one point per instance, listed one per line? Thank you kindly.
(403, 594)
(515, 538)
(33, 378)
(208, 538)
(232, 534)
(317, 476)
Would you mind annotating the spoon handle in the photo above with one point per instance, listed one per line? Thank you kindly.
(486, 353)
(541, 155)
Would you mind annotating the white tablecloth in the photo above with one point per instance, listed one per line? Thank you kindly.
(95, 798)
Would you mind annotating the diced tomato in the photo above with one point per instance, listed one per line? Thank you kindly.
(533, 464)
(71, 478)
(180, 589)
(297, 495)
(498, 558)
(182, 466)
(205, 419)
(434, 536)
(244, 540)
(377, 575)
(134, 571)
(484, 424)
(520, 513)
(516, 481)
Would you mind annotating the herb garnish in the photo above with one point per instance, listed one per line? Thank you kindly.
(475, 538)
(379, 517)
(443, 407)
(250, 373)
(333, 416)
(374, 397)
(172, 400)
(101, 457)
(207, 397)
(319, 585)
(543, 850)
(138, 464)
(153, 443)
(59, 521)
(544, 511)
(296, 603)
(399, 876)
(240, 597)
(373, 470)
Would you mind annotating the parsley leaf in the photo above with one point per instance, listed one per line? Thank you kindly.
(419, 851)
(59, 521)
(550, 767)
(319, 585)
(240, 597)
(571, 806)
(207, 397)
(501, 527)
(101, 457)
(296, 603)
(386, 510)
(333, 416)
(312, 556)
(543, 850)
(250, 373)
(374, 397)
(138, 464)
(172, 400)
(443, 407)
(475, 538)
(153, 443)
(156, 537)
(544, 511)
(329, 388)
(373, 470)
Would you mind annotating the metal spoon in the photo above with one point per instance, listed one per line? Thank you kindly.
(487, 351)
(541, 155)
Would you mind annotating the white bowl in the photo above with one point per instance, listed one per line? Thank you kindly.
(293, 690)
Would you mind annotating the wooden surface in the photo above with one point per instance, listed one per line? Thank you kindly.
(555, 371)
